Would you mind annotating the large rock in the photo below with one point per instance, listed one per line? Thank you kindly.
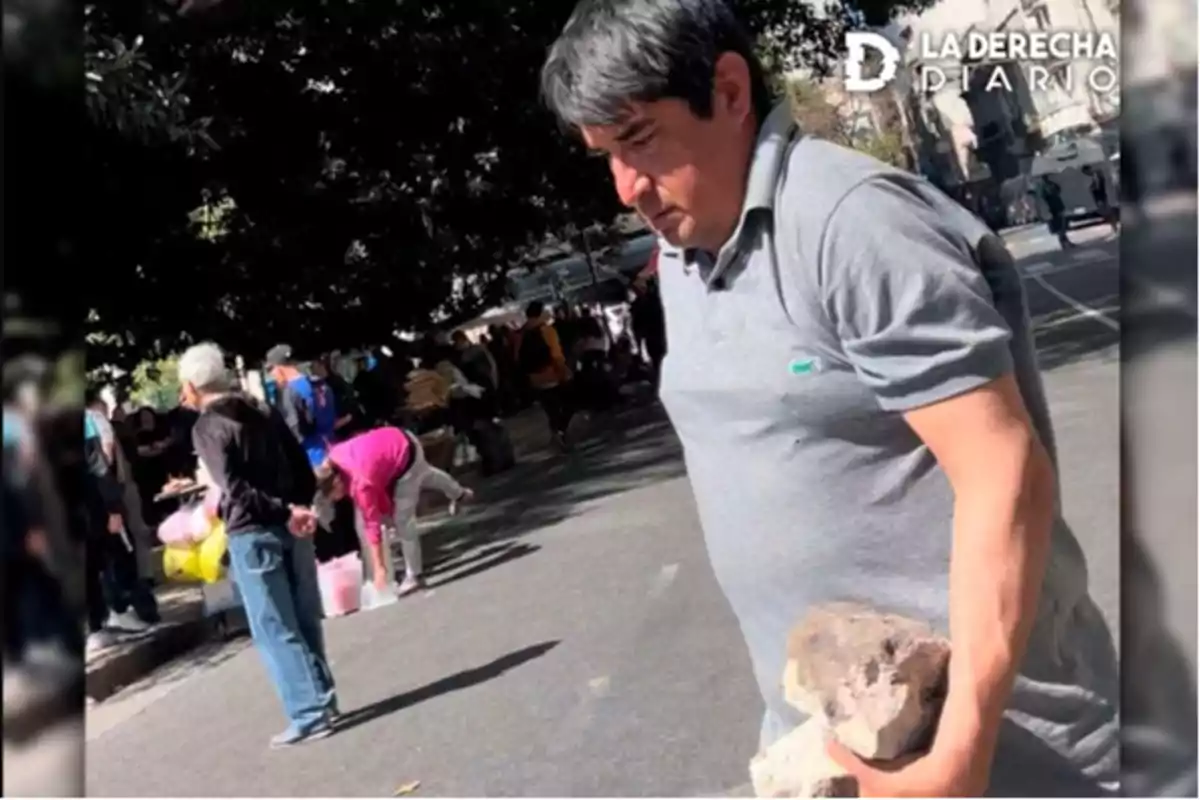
(876, 680)
(798, 766)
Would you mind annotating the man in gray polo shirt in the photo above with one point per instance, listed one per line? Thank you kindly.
(853, 378)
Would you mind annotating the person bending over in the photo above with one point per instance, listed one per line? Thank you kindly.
(383, 471)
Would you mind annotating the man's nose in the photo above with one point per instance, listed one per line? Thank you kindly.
(631, 184)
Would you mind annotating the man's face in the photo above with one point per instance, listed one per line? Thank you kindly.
(684, 175)
(189, 397)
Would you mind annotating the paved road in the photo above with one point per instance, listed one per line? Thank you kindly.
(574, 641)
(1159, 386)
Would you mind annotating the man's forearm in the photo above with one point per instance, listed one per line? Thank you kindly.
(1000, 547)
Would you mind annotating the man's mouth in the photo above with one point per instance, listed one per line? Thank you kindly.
(662, 217)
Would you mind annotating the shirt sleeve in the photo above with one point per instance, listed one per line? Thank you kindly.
(296, 461)
(287, 408)
(371, 501)
(901, 285)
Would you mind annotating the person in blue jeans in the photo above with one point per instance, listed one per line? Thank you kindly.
(267, 487)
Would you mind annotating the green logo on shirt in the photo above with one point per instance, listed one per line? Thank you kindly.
(803, 366)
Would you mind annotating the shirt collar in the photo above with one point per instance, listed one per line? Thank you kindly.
(762, 179)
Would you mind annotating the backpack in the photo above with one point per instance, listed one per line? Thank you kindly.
(324, 407)
(318, 414)
(534, 355)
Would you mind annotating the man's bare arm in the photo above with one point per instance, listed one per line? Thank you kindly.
(1004, 506)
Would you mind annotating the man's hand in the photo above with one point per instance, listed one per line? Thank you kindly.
(36, 544)
(933, 774)
(115, 523)
(302, 522)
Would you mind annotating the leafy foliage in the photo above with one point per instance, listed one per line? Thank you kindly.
(370, 165)
(823, 111)
(156, 384)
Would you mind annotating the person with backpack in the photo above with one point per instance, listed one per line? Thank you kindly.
(307, 404)
(540, 357)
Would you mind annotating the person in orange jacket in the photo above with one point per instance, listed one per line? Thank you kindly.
(540, 357)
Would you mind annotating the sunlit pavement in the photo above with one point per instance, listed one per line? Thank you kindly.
(574, 641)
(1074, 300)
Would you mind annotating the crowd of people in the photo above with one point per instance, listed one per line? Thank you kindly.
(323, 466)
(290, 468)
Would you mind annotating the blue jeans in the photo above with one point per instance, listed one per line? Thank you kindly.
(276, 574)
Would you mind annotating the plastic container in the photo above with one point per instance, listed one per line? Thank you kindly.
(340, 582)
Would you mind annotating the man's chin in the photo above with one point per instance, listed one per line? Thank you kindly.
(675, 235)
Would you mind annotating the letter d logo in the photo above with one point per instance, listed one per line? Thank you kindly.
(857, 43)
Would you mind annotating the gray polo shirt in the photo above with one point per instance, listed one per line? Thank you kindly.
(850, 293)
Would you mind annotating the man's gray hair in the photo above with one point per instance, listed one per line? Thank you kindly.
(203, 366)
(615, 52)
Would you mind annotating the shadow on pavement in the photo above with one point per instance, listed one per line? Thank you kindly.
(451, 683)
(1068, 342)
(629, 449)
(480, 562)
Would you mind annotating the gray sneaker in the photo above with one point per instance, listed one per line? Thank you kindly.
(410, 585)
(293, 736)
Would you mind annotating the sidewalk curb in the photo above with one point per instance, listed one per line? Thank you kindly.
(160, 646)
(132, 661)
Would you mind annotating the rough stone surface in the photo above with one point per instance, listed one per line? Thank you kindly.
(798, 766)
(876, 680)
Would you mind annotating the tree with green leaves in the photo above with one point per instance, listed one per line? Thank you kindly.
(369, 166)
(156, 384)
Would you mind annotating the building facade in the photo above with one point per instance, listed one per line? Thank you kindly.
(991, 132)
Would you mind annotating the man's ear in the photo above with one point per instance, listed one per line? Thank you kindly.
(731, 86)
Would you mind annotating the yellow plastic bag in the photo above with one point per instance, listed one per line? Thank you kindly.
(200, 561)
(181, 562)
(212, 550)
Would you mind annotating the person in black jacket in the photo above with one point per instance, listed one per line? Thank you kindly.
(267, 489)
(117, 599)
(649, 326)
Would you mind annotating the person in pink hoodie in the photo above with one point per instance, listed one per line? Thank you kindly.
(383, 472)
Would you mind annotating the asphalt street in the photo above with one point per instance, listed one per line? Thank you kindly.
(574, 641)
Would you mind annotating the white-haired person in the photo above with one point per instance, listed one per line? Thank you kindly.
(383, 472)
(267, 486)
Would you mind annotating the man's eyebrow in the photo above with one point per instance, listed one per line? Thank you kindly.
(632, 130)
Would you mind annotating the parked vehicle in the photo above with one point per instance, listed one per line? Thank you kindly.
(1065, 161)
